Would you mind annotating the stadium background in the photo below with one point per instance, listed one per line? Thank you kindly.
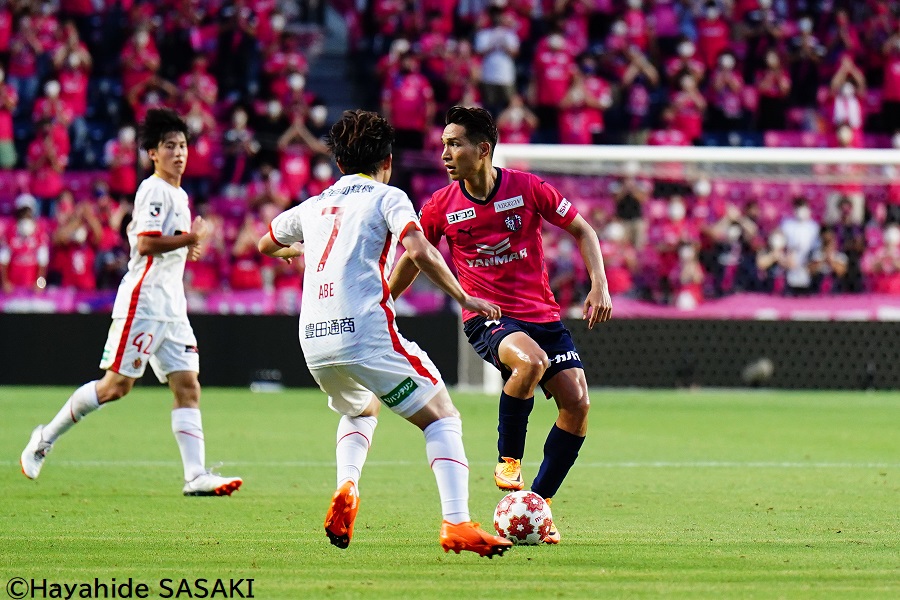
(259, 81)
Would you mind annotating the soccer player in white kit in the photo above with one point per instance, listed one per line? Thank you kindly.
(149, 319)
(348, 333)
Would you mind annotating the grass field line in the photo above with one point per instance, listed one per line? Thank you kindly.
(406, 463)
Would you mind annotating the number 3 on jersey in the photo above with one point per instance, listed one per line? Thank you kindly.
(338, 212)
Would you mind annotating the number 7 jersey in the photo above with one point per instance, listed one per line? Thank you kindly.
(349, 233)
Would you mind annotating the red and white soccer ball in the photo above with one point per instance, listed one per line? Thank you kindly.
(523, 518)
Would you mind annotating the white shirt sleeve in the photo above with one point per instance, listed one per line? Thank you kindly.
(151, 210)
(398, 212)
(286, 228)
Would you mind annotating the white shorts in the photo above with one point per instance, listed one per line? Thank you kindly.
(168, 347)
(405, 384)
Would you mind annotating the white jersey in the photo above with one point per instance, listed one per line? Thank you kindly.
(350, 233)
(153, 288)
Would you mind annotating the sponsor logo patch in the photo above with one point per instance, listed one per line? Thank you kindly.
(399, 393)
(509, 204)
(563, 207)
(155, 209)
(460, 215)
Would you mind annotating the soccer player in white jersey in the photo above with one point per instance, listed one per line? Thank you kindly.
(349, 335)
(149, 319)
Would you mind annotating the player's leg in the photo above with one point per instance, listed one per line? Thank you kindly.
(123, 362)
(569, 389)
(526, 362)
(359, 418)
(176, 362)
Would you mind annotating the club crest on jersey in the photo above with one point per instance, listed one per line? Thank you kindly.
(137, 363)
(509, 204)
(155, 209)
(513, 222)
(460, 215)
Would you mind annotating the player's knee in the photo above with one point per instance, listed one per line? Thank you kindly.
(531, 367)
(112, 391)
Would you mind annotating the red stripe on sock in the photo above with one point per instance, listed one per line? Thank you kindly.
(368, 442)
(448, 459)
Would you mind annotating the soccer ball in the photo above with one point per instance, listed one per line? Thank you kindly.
(523, 518)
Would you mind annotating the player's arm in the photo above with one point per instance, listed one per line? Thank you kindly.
(150, 243)
(598, 304)
(268, 246)
(427, 259)
(403, 276)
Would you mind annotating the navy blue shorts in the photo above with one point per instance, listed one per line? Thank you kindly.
(553, 338)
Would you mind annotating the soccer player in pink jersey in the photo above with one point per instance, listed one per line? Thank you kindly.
(149, 319)
(348, 332)
(492, 220)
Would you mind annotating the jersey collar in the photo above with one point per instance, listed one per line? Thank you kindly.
(490, 196)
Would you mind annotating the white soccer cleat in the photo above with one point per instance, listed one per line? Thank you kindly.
(34, 453)
(210, 484)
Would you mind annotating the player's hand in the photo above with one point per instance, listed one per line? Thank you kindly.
(296, 250)
(482, 307)
(597, 306)
(200, 228)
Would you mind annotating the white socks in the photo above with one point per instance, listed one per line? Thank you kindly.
(188, 430)
(354, 436)
(82, 402)
(447, 457)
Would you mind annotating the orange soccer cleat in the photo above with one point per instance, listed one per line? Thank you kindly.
(341, 514)
(508, 475)
(552, 536)
(469, 536)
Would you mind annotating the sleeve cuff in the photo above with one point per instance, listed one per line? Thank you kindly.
(412, 225)
(274, 239)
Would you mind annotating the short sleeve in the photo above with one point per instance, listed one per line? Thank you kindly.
(399, 213)
(552, 205)
(151, 210)
(286, 228)
(431, 224)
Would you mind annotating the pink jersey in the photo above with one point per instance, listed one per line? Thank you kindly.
(496, 244)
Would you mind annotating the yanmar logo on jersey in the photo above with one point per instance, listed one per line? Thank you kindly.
(496, 254)
(460, 215)
(509, 204)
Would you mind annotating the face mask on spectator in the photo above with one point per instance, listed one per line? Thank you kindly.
(79, 236)
(25, 227)
(777, 241)
(516, 115)
(322, 171)
(318, 114)
(126, 135)
(619, 28)
(765, 4)
(634, 4)
(2, 75)
(273, 108)
(895, 141)
(614, 232)
(806, 25)
(141, 39)
(239, 119)
(399, 47)
(726, 62)
(772, 61)
(676, 211)
(845, 135)
(73, 61)
(51, 89)
(278, 22)
(734, 233)
(702, 188)
(195, 124)
(296, 82)
(712, 13)
(686, 253)
(891, 236)
(848, 89)
(803, 213)
(685, 49)
(556, 41)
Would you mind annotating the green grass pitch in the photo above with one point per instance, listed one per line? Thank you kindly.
(704, 494)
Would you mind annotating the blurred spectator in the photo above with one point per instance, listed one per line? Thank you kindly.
(685, 64)
(268, 189)
(498, 45)
(73, 249)
(713, 35)
(462, 67)
(140, 59)
(847, 88)
(761, 29)
(639, 30)
(772, 263)
(619, 258)
(23, 75)
(71, 50)
(407, 101)
(323, 176)
(842, 39)
(806, 53)
(581, 118)
(630, 196)
(199, 177)
(773, 87)
(6, 32)
(267, 130)
(686, 278)
(517, 122)
(801, 233)
(200, 82)
(297, 144)
(246, 271)
(690, 109)
(73, 83)
(639, 82)
(153, 92)
(25, 252)
(666, 237)
(828, 266)
(389, 65)
(239, 60)
(240, 149)
(206, 274)
(120, 157)
(882, 264)
(47, 160)
(726, 96)
(890, 97)
(9, 99)
(850, 239)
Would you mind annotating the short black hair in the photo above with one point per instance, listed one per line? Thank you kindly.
(478, 123)
(159, 123)
(360, 141)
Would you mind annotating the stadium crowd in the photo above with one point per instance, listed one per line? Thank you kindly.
(75, 75)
